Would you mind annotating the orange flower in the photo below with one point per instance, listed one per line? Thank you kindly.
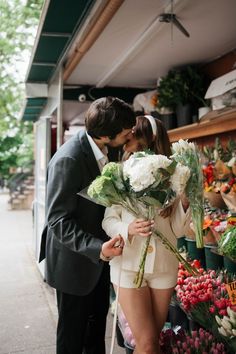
(206, 223)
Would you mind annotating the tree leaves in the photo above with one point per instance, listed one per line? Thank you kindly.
(17, 27)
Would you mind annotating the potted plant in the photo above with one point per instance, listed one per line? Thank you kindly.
(182, 90)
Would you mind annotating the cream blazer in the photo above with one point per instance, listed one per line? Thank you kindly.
(117, 220)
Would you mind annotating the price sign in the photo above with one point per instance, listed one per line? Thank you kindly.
(231, 289)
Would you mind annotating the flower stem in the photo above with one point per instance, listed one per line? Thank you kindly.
(197, 217)
(139, 276)
(192, 270)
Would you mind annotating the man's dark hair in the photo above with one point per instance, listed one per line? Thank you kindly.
(108, 116)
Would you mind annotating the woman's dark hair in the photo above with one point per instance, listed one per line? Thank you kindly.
(108, 116)
(143, 130)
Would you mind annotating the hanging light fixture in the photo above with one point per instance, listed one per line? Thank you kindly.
(172, 19)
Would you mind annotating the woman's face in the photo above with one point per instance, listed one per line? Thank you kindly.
(134, 144)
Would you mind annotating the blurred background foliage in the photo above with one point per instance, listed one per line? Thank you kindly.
(18, 25)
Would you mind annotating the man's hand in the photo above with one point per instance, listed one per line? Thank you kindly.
(113, 247)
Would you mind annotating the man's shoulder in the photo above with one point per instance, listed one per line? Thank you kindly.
(72, 147)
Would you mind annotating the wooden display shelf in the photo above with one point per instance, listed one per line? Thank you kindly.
(214, 122)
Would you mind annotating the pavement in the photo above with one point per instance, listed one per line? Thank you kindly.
(28, 313)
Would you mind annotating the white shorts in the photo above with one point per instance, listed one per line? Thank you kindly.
(155, 280)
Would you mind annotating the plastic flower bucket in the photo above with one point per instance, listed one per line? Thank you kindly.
(194, 252)
(181, 243)
(177, 316)
(214, 261)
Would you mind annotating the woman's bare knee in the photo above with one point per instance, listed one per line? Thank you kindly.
(147, 346)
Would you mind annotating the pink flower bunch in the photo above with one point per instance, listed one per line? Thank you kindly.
(206, 288)
(204, 299)
(196, 342)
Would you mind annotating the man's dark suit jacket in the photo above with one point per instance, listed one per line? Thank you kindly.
(72, 236)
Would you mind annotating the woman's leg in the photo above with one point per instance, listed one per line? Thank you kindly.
(160, 304)
(137, 307)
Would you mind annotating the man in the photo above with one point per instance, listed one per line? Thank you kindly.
(73, 242)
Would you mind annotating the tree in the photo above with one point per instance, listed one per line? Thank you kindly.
(18, 21)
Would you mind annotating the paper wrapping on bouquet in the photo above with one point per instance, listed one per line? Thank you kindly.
(215, 199)
(209, 238)
(229, 200)
(84, 194)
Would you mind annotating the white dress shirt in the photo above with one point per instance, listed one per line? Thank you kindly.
(100, 155)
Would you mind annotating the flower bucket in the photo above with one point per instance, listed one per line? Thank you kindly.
(181, 244)
(194, 252)
(184, 114)
(229, 265)
(169, 120)
(214, 261)
(178, 317)
(215, 200)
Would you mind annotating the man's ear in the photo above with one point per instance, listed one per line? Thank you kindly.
(105, 139)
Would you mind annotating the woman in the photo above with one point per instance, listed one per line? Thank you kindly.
(146, 308)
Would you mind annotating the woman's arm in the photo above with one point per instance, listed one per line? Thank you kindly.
(113, 225)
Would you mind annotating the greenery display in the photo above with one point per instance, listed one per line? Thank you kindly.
(227, 243)
(182, 86)
(17, 28)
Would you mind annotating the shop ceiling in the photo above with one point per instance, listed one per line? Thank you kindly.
(121, 45)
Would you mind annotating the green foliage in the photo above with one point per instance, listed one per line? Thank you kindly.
(182, 86)
(17, 27)
(218, 152)
(227, 243)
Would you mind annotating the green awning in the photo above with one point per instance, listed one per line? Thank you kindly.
(62, 20)
(33, 108)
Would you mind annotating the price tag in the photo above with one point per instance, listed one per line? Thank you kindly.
(231, 289)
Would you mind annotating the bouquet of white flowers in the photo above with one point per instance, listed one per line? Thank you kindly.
(187, 154)
(141, 184)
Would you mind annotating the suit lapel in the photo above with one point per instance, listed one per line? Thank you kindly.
(89, 159)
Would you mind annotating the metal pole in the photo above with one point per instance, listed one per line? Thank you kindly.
(59, 111)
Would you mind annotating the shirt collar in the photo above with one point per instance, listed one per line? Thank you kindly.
(100, 155)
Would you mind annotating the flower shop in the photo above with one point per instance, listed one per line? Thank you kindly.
(186, 78)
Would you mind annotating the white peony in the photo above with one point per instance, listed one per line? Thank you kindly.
(141, 171)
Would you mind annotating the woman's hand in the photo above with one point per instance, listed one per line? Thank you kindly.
(140, 227)
(112, 248)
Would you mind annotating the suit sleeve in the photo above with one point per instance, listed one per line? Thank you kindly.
(62, 201)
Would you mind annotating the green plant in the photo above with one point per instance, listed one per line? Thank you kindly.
(227, 244)
(182, 86)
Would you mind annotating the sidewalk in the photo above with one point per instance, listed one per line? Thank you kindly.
(28, 313)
